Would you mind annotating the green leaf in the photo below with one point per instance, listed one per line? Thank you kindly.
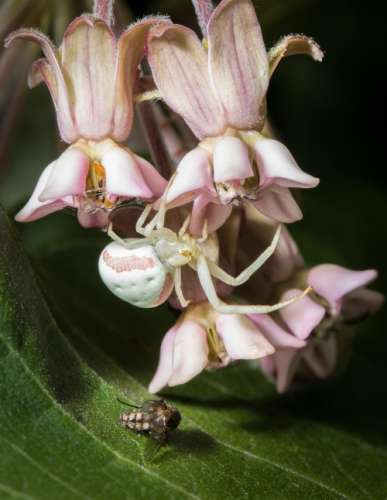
(68, 348)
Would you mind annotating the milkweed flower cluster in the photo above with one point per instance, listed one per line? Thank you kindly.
(194, 243)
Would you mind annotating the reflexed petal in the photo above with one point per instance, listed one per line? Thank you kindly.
(238, 62)
(322, 357)
(98, 218)
(276, 165)
(153, 179)
(59, 91)
(334, 282)
(190, 355)
(206, 208)
(179, 67)
(165, 366)
(278, 203)
(286, 259)
(68, 176)
(35, 209)
(276, 335)
(130, 51)
(123, 175)
(292, 45)
(286, 366)
(40, 71)
(193, 176)
(267, 365)
(241, 338)
(360, 303)
(231, 160)
(302, 316)
(88, 57)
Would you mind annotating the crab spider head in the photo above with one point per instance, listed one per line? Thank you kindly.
(135, 275)
(174, 253)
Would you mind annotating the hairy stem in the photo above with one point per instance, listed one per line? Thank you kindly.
(104, 10)
(203, 9)
(154, 139)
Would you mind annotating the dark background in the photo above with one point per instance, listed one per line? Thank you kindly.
(331, 116)
(325, 112)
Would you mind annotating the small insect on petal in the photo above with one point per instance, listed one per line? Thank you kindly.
(135, 275)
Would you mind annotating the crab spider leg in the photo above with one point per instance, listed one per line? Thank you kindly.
(184, 227)
(250, 270)
(178, 288)
(128, 242)
(224, 308)
(159, 218)
(204, 235)
(114, 236)
(140, 229)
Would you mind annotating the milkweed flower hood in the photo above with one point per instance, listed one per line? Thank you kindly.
(219, 88)
(91, 78)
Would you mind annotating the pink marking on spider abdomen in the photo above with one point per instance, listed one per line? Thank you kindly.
(125, 264)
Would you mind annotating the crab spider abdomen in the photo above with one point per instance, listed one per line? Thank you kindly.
(135, 275)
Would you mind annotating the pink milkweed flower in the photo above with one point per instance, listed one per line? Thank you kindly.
(203, 338)
(338, 300)
(219, 88)
(91, 78)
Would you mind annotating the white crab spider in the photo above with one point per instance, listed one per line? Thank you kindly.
(144, 271)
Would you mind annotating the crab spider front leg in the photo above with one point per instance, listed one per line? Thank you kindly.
(184, 227)
(140, 229)
(158, 220)
(126, 243)
(179, 289)
(207, 284)
(220, 274)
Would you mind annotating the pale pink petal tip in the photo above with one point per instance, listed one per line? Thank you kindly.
(98, 219)
(205, 210)
(36, 209)
(190, 354)
(360, 303)
(276, 335)
(322, 357)
(286, 366)
(155, 182)
(302, 316)
(333, 282)
(276, 165)
(193, 176)
(165, 366)
(68, 176)
(123, 175)
(231, 160)
(278, 203)
(241, 338)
